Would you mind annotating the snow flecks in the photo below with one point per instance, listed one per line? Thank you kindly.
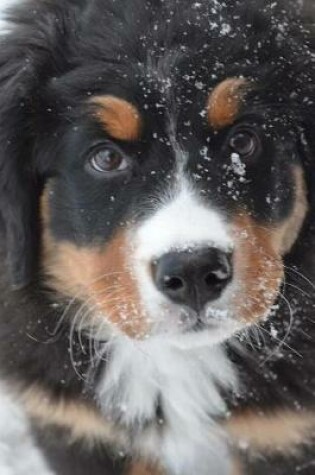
(273, 332)
(238, 166)
(200, 85)
(204, 152)
(225, 29)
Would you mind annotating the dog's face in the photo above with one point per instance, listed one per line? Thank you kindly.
(172, 192)
(173, 217)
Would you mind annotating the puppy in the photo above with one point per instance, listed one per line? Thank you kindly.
(157, 193)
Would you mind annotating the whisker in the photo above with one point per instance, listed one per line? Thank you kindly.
(283, 341)
(303, 292)
(80, 294)
(291, 269)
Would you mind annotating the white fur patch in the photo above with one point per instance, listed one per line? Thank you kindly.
(184, 381)
(18, 454)
(5, 5)
(181, 222)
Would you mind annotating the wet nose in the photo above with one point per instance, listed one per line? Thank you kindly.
(193, 277)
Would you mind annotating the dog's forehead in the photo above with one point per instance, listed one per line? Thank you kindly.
(170, 108)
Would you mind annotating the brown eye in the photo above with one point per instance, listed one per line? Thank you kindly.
(108, 160)
(245, 143)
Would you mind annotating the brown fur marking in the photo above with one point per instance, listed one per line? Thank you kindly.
(285, 432)
(100, 276)
(288, 232)
(82, 421)
(140, 468)
(237, 468)
(258, 256)
(120, 119)
(224, 102)
(258, 269)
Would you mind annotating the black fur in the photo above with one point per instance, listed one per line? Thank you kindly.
(58, 55)
(76, 458)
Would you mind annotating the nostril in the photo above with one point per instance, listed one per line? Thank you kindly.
(193, 278)
(215, 278)
(212, 279)
(173, 283)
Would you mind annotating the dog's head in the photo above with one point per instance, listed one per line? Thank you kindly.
(153, 158)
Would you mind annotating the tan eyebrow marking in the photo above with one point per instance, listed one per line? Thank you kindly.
(120, 119)
(224, 102)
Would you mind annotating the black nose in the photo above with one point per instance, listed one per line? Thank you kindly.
(193, 278)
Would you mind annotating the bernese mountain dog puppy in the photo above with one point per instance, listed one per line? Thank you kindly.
(157, 233)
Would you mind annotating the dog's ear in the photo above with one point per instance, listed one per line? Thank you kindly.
(31, 53)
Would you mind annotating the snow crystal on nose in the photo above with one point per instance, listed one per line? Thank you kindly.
(238, 166)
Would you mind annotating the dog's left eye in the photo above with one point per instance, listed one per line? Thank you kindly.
(108, 160)
(244, 142)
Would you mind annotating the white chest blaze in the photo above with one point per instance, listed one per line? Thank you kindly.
(185, 381)
(5, 6)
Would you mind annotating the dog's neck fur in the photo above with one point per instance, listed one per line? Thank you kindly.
(169, 398)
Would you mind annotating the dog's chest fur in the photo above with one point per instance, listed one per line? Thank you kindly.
(169, 398)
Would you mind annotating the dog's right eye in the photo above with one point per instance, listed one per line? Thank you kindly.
(108, 160)
(245, 142)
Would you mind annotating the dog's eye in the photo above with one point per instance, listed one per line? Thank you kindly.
(107, 160)
(244, 142)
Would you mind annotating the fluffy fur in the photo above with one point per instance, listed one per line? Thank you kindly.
(164, 384)
(125, 138)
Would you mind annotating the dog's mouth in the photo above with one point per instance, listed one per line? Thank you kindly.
(187, 328)
(207, 319)
(226, 328)
(247, 299)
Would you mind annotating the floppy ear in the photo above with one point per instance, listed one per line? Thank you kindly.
(30, 55)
